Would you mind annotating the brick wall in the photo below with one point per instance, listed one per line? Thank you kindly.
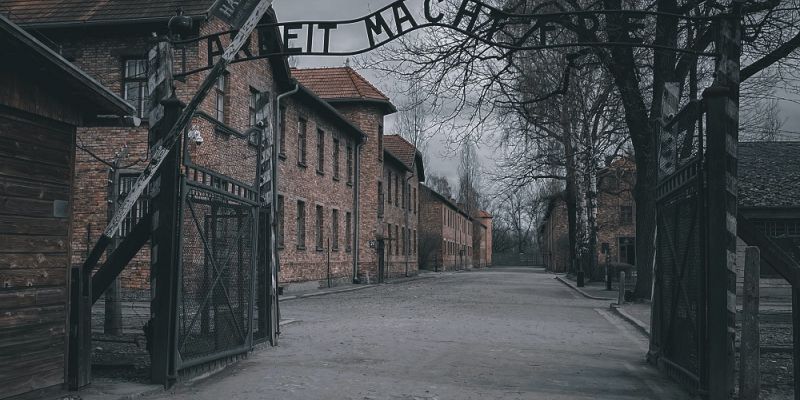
(368, 118)
(102, 53)
(450, 228)
(314, 188)
(398, 253)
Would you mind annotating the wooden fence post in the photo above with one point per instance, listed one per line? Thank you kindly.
(750, 352)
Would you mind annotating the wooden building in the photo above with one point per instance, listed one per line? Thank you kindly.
(43, 98)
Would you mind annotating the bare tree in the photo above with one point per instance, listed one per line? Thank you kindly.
(469, 179)
(469, 75)
(439, 184)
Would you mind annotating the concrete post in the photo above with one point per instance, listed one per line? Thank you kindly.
(750, 352)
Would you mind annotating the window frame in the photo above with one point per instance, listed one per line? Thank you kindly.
(302, 141)
(320, 151)
(301, 225)
(319, 217)
(220, 97)
(142, 103)
(335, 229)
(336, 154)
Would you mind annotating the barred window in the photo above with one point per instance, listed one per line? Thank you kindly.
(301, 225)
(336, 159)
(335, 229)
(301, 141)
(348, 237)
(320, 227)
(349, 164)
(320, 151)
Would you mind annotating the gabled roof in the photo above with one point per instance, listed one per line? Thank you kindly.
(404, 152)
(82, 12)
(769, 174)
(342, 85)
(450, 203)
(91, 96)
(484, 214)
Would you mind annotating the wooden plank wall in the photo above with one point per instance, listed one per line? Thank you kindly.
(36, 158)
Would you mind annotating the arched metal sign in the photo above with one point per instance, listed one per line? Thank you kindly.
(546, 26)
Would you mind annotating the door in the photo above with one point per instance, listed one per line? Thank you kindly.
(627, 250)
(381, 260)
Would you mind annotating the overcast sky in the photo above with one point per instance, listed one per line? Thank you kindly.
(442, 159)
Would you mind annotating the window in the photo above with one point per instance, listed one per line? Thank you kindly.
(349, 164)
(220, 88)
(348, 237)
(336, 159)
(389, 247)
(403, 233)
(301, 141)
(125, 182)
(301, 225)
(258, 106)
(396, 242)
(335, 229)
(415, 200)
(320, 151)
(134, 85)
(280, 215)
(625, 215)
(396, 190)
(282, 139)
(403, 194)
(415, 241)
(320, 225)
(380, 142)
(380, 199)
(390, 187)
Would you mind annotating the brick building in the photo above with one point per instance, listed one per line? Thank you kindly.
(317, 181)
(445, 233)
(110, 43)
(616, 220)
(43, 98)
(482, 240)
(398, 207)
(365, 107)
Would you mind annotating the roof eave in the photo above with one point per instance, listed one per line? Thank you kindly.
(387, 105)
(342, 119)
(109, 101)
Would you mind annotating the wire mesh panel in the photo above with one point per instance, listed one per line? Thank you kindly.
(217, 259)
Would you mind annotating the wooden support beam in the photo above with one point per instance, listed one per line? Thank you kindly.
(121, 256)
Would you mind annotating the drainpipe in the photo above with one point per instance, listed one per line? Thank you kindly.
(274, 206)
(356, 210)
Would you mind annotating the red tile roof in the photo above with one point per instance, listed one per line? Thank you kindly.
(338, 83)
(400, 149)
(404, 152)
(42, 12)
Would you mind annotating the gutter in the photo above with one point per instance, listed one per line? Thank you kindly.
(274, 206)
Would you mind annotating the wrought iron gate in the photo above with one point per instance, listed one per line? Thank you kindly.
(217, 259)
(679, 299)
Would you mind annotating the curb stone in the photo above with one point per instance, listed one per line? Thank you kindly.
(579, 290)
(639, 325)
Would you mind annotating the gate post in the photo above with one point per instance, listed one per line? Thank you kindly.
(723, 137)
(164, 270)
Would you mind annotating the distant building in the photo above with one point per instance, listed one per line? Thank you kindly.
(43, 98)
(482, 240)
(616, 220)
(445, 233)
(398, 207)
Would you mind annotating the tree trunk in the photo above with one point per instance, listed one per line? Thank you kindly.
(644, 194)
